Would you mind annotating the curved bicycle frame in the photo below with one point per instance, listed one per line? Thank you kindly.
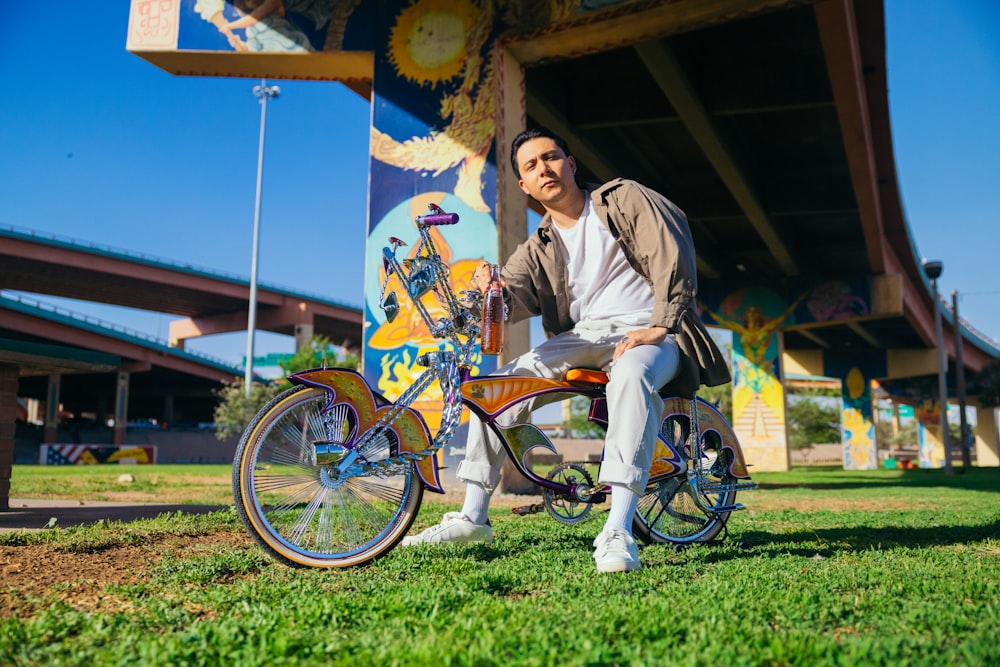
(490, 396)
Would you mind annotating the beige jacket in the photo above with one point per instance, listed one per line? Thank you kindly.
(656, 240)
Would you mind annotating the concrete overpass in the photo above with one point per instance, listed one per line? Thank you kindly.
(211, 302)
(102, 370)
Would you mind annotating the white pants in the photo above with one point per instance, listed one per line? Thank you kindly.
(634, 406)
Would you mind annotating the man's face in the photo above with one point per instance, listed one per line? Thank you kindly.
(547, 174)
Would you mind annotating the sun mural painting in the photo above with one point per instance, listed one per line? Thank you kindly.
(432, 43)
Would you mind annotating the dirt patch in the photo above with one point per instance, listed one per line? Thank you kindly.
(32, 576)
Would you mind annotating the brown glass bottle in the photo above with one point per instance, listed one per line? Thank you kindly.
(492, 343)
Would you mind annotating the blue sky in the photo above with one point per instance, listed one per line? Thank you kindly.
(98, 145)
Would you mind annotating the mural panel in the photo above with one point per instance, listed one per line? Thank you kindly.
(856, 370)
(432, 141)
(94, 454)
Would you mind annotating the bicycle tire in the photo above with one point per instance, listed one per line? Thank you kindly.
(295, 509)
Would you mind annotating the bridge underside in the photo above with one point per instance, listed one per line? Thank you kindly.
(766, 121)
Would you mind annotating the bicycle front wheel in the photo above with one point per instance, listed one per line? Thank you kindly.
(297, 508)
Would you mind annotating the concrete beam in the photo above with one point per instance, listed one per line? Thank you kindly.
(674, 84)
(911, 363)
(802, 362)
(591, 32)
(841, 44)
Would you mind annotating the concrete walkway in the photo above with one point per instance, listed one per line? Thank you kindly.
(36, 514)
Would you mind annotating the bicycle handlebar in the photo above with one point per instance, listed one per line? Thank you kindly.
(435, 219)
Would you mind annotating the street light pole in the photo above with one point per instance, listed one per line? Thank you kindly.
(933, 270)
(262, 92)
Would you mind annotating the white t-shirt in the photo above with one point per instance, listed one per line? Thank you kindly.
(602, 284)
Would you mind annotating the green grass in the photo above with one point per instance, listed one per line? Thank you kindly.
(184, 484)
(826, 567)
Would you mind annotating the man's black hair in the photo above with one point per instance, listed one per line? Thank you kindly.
(528, 135)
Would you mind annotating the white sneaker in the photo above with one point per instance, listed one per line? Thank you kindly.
(616, 551)
(454, 528)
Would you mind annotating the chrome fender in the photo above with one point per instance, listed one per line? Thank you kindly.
(345, 387)
(710, 420)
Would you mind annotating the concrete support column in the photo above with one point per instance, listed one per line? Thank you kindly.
(759, 409)
(303, 333)
(121, 407)
(987, 438)
(168, 409)
(754, 315)
(512, 210)
(512, 213)
(856, 368)
(8, 415)
(52, 399)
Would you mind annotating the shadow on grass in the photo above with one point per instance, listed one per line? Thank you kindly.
(826, 541)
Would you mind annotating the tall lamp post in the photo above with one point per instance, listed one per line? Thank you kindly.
(933, 270)
(262, 92)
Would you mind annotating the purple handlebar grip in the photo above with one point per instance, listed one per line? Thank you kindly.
(435, 219)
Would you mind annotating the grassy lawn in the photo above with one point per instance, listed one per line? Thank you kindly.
(169, 484)
(825, 567)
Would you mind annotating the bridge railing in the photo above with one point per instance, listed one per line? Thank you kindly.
(964, 324)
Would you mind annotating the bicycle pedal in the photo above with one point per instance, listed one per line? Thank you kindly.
(728, 508)
(720, 488)
(525, 510)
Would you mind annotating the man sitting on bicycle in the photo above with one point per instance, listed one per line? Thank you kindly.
(611, 270)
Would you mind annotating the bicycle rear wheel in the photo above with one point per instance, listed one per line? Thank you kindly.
(669, 512)
(298, 510)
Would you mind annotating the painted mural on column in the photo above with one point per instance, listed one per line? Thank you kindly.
(434, 115)
(432, 142)
(922, 394)
(856, 369)
(243, 26)
(754, 316)
(858, 432)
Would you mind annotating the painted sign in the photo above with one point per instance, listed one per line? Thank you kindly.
(94, 454)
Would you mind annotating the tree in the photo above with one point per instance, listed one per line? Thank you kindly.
(579, 426)
(988, 381)
(235, 409)
(721, 397)
(811, 422)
